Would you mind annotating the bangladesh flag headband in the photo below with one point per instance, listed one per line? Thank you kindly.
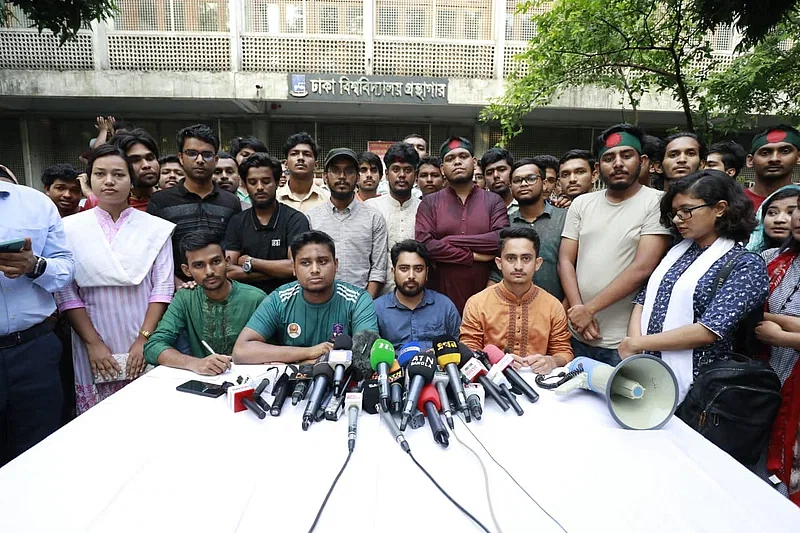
(775, 136)
(621, 138)
(455, 144)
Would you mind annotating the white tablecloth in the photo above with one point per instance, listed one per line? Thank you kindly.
(151, 459)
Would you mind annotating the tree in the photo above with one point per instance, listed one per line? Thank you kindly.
(63, 18)
(632, 46)
(765, 80)
(755, 19)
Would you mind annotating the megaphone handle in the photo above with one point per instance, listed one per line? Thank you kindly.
(578, 382)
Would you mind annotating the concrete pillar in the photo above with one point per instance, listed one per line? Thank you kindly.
(236, 26)
(369, 35)
(28, 177)
(481, 142)
(499, 36)
(100, 45)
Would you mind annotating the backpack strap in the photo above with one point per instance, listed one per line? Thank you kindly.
(725, 271)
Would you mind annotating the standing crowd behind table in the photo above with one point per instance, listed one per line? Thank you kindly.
(209, 257)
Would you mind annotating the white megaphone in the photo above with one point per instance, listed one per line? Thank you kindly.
(641, 391)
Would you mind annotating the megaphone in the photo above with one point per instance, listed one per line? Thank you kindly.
(641, 391)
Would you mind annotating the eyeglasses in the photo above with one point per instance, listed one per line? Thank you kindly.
(533, 178)
(192, 154)
(685, 213)
(338, 173)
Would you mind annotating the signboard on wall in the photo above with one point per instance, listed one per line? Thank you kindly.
(367, 89)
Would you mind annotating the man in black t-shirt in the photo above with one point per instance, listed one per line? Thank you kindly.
(257, 240)
(196, 203)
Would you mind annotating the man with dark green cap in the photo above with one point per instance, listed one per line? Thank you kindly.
(773, 156)
(611, 243)
(460, 226)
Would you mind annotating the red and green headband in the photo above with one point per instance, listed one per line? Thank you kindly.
(621, 138)
(775, 136)
(455, 144)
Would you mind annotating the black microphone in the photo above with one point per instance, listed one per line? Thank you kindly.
(254, 407)
(447, 354)
(280, 391)
(420, 371)
(362, 344)
(502, 383)
(340, 358)
(302, 379)
(429, 402)
(323, 374)
(504, 363)
(371, 396)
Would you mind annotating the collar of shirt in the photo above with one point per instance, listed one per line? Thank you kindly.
(427, 299)
(397, 206)
(102, 214)
(352, 207)
(452, 193)
(5, 188)
(286, 192)
(183, 191)
(510, 297)
(273, 220)
(516, 216)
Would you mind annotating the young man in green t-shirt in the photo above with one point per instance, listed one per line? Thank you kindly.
(297, 321)
(214, 312)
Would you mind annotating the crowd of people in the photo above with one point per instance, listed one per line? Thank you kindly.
(209, 257)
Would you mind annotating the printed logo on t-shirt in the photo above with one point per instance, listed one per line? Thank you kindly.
(276, 242)
(294, 330)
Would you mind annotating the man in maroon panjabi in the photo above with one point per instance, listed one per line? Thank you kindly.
(460, 226)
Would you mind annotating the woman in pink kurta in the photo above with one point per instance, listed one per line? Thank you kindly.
(124, 279)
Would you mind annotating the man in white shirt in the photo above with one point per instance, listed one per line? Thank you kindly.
(300, 192)
(399, 207)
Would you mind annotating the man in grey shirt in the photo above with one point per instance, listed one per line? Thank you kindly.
(358, 231)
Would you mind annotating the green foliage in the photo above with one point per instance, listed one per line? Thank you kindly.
(632, 46)
(756, 19)
(765, 80)
(63, 17)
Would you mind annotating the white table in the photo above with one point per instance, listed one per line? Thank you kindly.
(150, 459)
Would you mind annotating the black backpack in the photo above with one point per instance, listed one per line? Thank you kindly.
(733, 403)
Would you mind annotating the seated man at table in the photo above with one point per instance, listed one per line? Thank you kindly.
(517, 315)
(412, 312)
(297, 321)
(215, 311)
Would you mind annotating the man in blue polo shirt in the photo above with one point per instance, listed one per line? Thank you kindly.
(411, 312)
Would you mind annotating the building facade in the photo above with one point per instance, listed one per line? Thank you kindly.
(347, 71)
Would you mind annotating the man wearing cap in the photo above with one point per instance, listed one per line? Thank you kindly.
(459, 226)
(611, 243)
(359, 231)
(773, 156)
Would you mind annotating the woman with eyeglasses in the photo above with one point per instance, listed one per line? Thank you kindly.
(678, 315)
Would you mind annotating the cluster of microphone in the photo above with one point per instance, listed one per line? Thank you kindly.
(364, 372)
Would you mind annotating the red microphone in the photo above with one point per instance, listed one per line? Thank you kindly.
(474, 371)
(503, 363)
(430, 404)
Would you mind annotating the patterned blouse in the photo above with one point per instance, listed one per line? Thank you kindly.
(745, 289)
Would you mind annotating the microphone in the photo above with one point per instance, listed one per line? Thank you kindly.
(392, 425)
(262, 403)
(440, 381)
(503, 362)
(302, 379)
(381, 356)
(429, 403)
(371, 396)
(323, 374)
(473, 370)
(396, 386)
(417, 419)
(362, 344)
(448, 356)
(420, 370)
(475, 399)
(502, 383)
(352, 403)
(407, 352)
(340, 358)
(240, 398)
(280, 391)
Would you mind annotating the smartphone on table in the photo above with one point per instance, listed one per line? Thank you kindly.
(201, 388)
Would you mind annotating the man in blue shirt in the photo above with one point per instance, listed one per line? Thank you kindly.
(30, 386)
(411, 312)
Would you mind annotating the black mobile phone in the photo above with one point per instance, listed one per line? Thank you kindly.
(201, 388)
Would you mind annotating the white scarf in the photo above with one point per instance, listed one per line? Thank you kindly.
(680, 310)
(124, 262)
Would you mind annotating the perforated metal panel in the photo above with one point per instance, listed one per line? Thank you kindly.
(27, 49)
(519, 26)
(510, 63)
(330, 17)
(172, 15)
(437, 59)
(540, 139)
(279, 131)
(302, 54)
(437, 19)
(127, 51)
(16, 18)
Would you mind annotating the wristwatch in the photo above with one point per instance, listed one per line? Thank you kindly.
(144, 333)
(247, 266)
(38, 268)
